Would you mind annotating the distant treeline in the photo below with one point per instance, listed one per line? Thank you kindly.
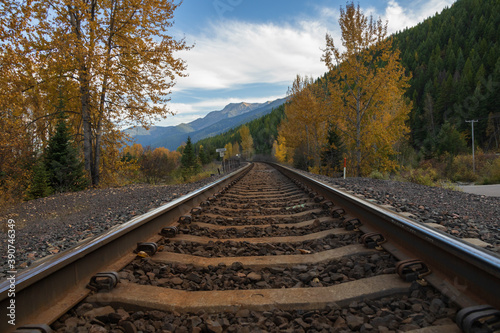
(263, 130)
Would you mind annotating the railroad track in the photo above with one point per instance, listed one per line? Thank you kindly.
(263, 250)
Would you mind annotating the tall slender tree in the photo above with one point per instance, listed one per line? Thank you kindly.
(305, 124)
(366, 98)
(247, 148)
(189, 164)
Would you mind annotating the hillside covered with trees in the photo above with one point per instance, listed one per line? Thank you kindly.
(263, 131)
(454, 58)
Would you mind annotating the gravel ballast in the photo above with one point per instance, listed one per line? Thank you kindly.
(460, 214)
(53, 224)
(50, 225)
(238, 277)
(231, 248)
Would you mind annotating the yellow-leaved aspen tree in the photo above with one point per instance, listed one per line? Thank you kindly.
(246, 142)
(366, 90)
(236, 148)
(305, 124)
(114, 60)
(280, 150)
(229, 151)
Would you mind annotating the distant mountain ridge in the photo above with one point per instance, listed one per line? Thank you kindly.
(215, 122)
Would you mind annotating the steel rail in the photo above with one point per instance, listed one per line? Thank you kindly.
(467, 274)
(51, 280)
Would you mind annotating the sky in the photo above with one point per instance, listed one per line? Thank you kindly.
(251, 50)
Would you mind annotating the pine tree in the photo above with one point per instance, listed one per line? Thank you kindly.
(39, 187)
(449, 140)
(204, 158)
(189, 165)
(333, 153)
(65, 170)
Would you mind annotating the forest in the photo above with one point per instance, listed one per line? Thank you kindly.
(100, 64)
(454, 59)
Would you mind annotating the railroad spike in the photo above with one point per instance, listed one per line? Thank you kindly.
(169, 232)
(479, 318)
(196, 211)
(103, 281)
(351, 223)
(412, 270)
(148, 247)
(185, 219)
(372, 240)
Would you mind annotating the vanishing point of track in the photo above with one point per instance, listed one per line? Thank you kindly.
(262, 239)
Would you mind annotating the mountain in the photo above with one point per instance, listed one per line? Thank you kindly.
(213, 123)
(229, 111)
(264, 131)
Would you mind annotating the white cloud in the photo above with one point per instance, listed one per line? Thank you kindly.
(233, 53)
(410, 14)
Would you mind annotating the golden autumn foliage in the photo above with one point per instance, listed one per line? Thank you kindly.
(366, 91)
(136, 150)
(111, 61)
(145, 164)
(232, 149)
(236, 148)
(305, 124)
(247, 148)
(229, 150)
(280, 150)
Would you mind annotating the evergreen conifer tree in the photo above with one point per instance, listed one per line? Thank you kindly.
(65, 170)
(333, 154)
(39, 187)
(204, 158)
(189, 164)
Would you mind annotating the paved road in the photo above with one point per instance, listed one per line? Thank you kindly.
(489, 190)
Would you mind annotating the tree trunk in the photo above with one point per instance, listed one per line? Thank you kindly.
(97, 155)
(358, 134)
(84, 81)
(87, 126)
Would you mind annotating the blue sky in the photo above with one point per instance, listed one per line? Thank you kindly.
(251, 50)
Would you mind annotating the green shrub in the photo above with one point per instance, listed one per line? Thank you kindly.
(378, 175)
(426, 177)
(460, 169)
(491, 172)
(39, 187)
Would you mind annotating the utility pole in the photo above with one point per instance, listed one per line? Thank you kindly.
(473, 160)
